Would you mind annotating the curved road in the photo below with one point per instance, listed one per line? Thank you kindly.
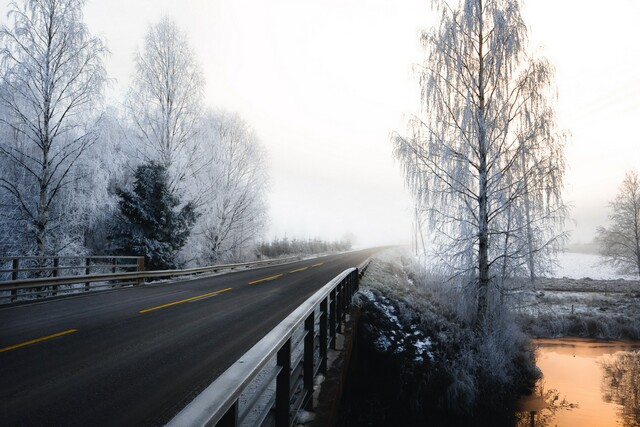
(136, 356)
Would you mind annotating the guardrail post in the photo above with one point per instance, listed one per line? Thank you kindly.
(323, 336)
(230, 418)
(332, 318)
(15, 266)
(56, 264)
(87, 271)
(283, 385)
(309, 342)
(140, 269)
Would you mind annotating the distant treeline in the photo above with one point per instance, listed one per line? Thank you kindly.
(279, 247)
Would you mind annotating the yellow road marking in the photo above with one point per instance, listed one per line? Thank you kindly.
(184, 300)
(266, 279)
(48, 337)
(318, 264)
(298, 269)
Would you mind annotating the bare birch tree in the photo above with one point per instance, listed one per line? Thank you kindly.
(620, 242)
(52, 75)
(483, 157)
(232, 191)
(165, 99)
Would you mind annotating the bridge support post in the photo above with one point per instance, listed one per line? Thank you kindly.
(308, 368)
(339, 306)
(332, 318)
(323, 336)
(349, 291)
(283, 385)
(230, 418)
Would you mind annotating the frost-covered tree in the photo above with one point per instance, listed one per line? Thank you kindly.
(232, 189)
(483, 156)
(109, 163)
(620, 242)
(165, 98)
(150, 223)
(52, 75)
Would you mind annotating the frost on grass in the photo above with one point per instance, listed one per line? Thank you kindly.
(604, 309)
(418, 359)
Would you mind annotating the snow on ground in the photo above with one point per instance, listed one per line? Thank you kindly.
(387, 276)
(578, 266)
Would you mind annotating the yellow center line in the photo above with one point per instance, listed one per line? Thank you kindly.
(266, 279)
(184, 300)
(298, 269)
(48, 337)
(318, 264)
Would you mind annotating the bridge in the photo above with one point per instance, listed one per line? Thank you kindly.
(139, 355)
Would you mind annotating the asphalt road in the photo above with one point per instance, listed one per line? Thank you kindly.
(136, 356)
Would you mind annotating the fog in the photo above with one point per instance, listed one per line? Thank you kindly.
(325, 83)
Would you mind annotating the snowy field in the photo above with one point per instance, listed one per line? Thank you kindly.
(579, 266)
(584, 298)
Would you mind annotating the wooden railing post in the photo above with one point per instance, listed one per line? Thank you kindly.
(140, 269)
(56, 264)
(308, 367)
(114, 265)
(87, 271)
(283, 386)
(15, 266)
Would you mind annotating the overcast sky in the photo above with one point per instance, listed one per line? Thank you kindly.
(325, 82)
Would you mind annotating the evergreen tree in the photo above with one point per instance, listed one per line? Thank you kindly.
(149, 223)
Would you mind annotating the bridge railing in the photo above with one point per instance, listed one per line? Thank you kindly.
(273, 381)
(60, 275)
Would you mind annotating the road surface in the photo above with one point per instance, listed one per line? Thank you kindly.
(136, 356)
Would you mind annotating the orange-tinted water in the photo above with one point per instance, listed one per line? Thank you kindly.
(586, 383)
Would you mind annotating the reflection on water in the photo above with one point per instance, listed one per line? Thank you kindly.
(620, 384)
(585, 383)
(540, 408)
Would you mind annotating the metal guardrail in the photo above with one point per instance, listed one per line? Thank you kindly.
(50, 286)
(244, 393)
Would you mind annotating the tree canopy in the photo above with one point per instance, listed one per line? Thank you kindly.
(52, 75)
(483, 157)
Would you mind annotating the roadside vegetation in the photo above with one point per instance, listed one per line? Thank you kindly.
(419, 361)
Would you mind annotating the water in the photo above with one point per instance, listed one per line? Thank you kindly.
(586, 383)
